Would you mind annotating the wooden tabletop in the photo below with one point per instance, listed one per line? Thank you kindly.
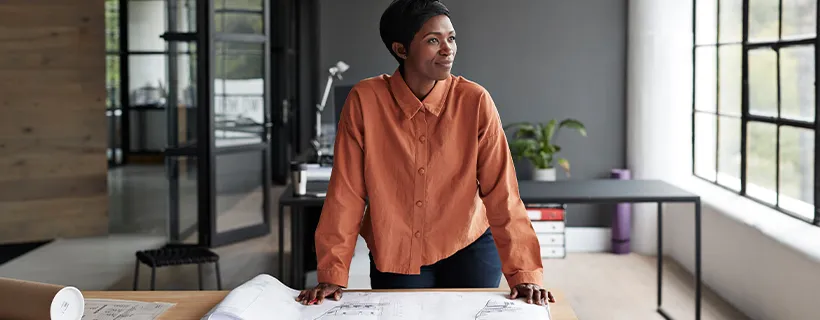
(192, 305)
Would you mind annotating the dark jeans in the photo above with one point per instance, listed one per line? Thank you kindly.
(476, 266)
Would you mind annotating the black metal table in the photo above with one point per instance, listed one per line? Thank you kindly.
(561, 192)
(623, 191)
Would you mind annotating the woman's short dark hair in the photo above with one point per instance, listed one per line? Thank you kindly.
(403, 18)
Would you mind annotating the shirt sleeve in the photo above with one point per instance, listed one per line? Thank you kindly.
(512, 230)
(344, 205)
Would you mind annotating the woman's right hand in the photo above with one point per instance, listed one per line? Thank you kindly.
(319, 293)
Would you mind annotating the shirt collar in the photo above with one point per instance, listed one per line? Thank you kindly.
(410, 104)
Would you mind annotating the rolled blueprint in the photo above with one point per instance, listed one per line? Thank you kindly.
(27, 300)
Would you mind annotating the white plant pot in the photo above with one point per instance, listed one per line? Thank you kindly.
(543, 174)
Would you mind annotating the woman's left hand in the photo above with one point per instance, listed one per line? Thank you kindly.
(532, 293)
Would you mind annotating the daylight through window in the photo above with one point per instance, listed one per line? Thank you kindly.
(754, 102)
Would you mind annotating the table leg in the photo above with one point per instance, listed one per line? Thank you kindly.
(299, 273)
(697, 204)
(697, 260)
(660, 261)
(294, 243)
(660, 254)
(281, 236)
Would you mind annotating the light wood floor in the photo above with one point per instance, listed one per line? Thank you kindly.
(608, 286)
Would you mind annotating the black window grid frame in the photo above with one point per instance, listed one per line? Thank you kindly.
(122, 103)
(746, 117)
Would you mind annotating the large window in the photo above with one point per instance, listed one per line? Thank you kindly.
(754, 102)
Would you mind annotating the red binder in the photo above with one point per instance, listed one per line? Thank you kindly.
(545, 214)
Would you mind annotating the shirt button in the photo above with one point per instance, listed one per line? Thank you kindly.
(419, 203)
(421, 171)
(422, 139)
(418, 234)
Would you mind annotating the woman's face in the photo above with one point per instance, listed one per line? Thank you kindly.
(433, 49)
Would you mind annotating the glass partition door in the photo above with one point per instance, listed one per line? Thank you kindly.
(238, 128)
(227, 140)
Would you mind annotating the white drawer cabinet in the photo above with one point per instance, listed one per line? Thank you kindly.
(552, 252)
(548, 226)
(549, 223)
(550, 239)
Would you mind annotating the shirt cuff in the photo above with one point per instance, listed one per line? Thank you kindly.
(534, 277)
(332, 276)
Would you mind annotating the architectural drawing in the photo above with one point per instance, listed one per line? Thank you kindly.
(255, 299)
(494, 306)
(358, 309)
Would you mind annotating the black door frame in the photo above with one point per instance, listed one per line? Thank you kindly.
(309, 65)
(291, 70)
(295, 86)
(207, 151)
(283, 100)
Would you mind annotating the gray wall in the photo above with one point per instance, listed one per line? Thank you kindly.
(540, 59)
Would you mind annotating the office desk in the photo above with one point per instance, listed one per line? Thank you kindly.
(561, 191)
(623, 191)
(192, 305)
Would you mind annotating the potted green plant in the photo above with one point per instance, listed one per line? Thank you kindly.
(534, 142)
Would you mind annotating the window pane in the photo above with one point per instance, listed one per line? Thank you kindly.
(239, 93)
(147, 79)
(797, 83)
(255, 5)
(706, 22)
(730, 75)
(112, 25)
(763, 82)
(705, 78)
(799, 18)
(186, 96)
(763, 20)
(731, 20)
(239, 16)
(239, 181)
(797, 170)
(185, 15)
(186, 77)
(729, 152)
(705, 145)
(186, 202)
(146, 23)
(113, 105)
(239, 60)
(112, 81)
(761, 162)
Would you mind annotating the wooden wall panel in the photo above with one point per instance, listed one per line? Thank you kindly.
(53, 167)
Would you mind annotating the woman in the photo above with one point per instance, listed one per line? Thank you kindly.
(422, 170)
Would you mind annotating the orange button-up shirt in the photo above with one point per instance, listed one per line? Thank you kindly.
(421, 180)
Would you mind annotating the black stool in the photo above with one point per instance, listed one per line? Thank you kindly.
(173, 255)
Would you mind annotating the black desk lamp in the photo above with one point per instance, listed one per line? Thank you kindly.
(334, 72)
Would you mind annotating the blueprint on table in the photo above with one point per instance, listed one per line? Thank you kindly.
(265, 297)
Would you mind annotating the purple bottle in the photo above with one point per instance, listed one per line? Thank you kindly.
(621, 218)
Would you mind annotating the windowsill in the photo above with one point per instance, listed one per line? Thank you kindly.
(793, 233)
